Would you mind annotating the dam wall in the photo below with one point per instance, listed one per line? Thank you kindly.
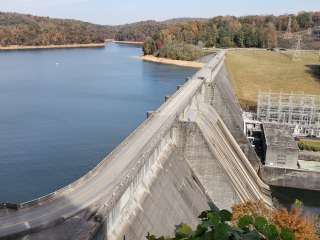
(205, 164)
(227, 106)
(166, 172)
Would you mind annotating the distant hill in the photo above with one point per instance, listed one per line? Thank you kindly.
(29, 30)
(227, 31)
(184, 20)
(138, 31)
(22, 29)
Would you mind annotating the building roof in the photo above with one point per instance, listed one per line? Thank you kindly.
(279, 136)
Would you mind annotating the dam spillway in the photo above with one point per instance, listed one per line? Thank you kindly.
(187, 153)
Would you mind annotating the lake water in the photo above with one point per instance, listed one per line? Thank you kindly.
(62, 111)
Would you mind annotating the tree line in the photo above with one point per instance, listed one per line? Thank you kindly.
(222, 31)
(21, 29)
(138, 31)
(230, 31)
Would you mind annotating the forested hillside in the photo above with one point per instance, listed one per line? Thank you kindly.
(27, 30)
(138, 31)
(20, 29)
(229, 31)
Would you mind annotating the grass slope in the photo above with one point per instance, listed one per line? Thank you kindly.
(309, 145)
(252, 71)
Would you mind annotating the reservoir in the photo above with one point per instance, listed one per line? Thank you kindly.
(62, 111)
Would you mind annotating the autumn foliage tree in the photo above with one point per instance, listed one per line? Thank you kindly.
(303, 228)
(230, 31)
(21, 29)
(248, 221)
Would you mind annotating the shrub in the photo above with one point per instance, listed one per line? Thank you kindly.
(309, 145)
(250, 208)
(149, 46)
(302, 228)
(249, 221)
(180, 51)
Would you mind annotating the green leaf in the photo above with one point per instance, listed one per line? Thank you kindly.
(225, 215)
(214, 218)
(254, 235)
(298, 203)
(271, 232)
(209, 236)
(151, 237)
(200, 231)
(222, 232)
(206, 224)
(245, 221)
(236, 234)
(260, 224)
(183, 231)
(287, 234)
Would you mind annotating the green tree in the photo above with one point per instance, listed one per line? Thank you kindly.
(149, 46)
(270, 37)
(304, 20)
(208, 34)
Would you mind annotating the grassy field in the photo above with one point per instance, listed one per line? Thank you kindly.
(252, 71)
(309, 145)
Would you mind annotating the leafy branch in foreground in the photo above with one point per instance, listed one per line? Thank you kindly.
(249, 222)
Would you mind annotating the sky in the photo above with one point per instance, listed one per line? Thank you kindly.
(113, 12)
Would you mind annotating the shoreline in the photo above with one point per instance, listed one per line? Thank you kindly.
(19, 47)
(180, 63)
(128, 42)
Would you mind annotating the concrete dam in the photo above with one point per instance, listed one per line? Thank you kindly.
(188, 153)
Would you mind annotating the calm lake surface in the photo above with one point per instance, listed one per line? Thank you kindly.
(63, 111)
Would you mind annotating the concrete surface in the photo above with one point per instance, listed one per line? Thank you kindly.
(309, 156)
(207, 168)
(227, 106)
(293, 178)
(281, 150)
(309, 165)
